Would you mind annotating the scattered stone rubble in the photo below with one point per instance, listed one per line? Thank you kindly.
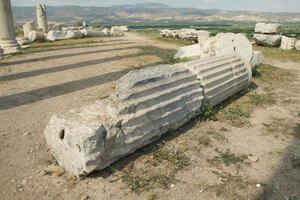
(221, 44)
(27, 27)
(268, 35)
(36, 36)
(118, 30)
(265, 28)
(288, 43)
(63, 35)
(147, 103)
(297, 45)
(257, 59)
(267, 40)
(92, 33)
(185, 34)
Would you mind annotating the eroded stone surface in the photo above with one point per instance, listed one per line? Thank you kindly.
(63, 35)
(35, 36)
(191, 51)
(288, 43)
(297, 45)
(41, 14)
(115, 30)
(268, 40)
(203, 36)
(230, 43)
(221, 77)
(147, 103)
(267, 28)
(257, 58)
(92, 33)
(27, 27)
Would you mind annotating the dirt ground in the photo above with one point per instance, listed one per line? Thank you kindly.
(217, 159)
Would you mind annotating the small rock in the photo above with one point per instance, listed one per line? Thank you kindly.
(253, 159)
(26, 134)
(85, 197)
(258, 185)
(172, 185)
(54, 170)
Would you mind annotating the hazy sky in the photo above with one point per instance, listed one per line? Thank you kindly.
(255, 5)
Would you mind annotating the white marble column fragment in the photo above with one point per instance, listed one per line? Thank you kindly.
(7, 30)
(27, 27)
(41, 14)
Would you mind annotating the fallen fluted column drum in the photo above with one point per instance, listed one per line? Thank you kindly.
(147, 103)
(221, 77)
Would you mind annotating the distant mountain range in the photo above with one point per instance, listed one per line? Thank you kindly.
(149, 12)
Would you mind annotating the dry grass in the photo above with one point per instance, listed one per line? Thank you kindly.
(228, 158)
(274, 77)
(159, 172)
(276, 53)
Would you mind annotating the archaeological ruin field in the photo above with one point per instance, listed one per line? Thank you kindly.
(148, 111)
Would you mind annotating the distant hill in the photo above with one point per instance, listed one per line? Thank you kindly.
(149, 12)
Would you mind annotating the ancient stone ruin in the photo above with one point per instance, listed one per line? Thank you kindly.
(41, 14)
(221, 44)
(7, 29)
(147, 103)
(28, 27)
(288, 43)
(185, 34)
(269, 35)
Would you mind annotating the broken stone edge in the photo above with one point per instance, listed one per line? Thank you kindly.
(141, 110)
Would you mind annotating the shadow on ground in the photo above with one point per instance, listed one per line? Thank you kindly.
(7, 102)
(22, 61)
(285, 182)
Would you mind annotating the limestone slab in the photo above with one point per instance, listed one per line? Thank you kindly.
(63, 35)
(267, 40)
(92, 33)
(287, 43)
(27, 27)
(147, 103)
(268, 28)
(191, 51)
(35, 36)
(297, 45)
(257, 59)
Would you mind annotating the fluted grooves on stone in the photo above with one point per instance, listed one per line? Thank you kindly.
(7, 29)
(147, 103)
(221, 77)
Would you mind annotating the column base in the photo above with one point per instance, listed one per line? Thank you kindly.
(10, 46)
